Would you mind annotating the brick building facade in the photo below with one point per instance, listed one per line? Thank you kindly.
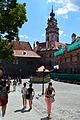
(69, 59)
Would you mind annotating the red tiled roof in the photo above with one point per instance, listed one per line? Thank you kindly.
(42, 46)
(20, 45)
(25, 53)
(59, 45)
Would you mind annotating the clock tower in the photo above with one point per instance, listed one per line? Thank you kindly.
(52, 31)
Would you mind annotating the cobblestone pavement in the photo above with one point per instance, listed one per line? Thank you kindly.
(65, 107)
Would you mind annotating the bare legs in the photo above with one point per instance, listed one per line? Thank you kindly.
(49, 105)
(3, 110)
(24, 101)
(30, 104)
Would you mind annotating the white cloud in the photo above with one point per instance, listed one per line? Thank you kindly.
(24, 36)
(65, 16)
(55, 1)
(43, 35)
(64, 35)
(66, 6)
(62, 11)
(49, 1)
(61, 32)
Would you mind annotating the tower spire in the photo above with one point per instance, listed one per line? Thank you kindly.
(52, 8)
(52, 13)
(52, 31)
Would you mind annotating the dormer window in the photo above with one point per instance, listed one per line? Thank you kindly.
(24, 53)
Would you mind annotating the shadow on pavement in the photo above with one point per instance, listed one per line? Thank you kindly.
(45, 118)
(26, 110)
(20, 110)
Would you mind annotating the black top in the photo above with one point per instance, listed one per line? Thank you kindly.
(3, 89)
(30, 90)
(3, 84)
(49, 91)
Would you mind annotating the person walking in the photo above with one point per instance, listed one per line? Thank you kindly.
(48, 98)
(14, 84)
(31, 93)
(24, 92)
(4, 90)
(9, 83)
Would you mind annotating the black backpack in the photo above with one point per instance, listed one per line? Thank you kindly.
(3, 92)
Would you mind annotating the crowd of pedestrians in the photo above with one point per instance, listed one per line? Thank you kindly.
(27, 92)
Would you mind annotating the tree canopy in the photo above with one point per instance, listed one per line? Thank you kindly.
(12, 17)
(6, 51)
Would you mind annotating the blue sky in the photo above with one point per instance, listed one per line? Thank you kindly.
(67, 13)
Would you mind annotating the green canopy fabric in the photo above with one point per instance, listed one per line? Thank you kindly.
(59, 52)
(69, 48)
(73, 46)
(65, 76)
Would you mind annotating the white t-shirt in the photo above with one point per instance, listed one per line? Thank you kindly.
(24, 90)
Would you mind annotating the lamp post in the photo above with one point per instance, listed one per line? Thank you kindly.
(43, 82)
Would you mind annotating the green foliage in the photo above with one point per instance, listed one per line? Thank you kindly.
(12, 17)
(6, 51)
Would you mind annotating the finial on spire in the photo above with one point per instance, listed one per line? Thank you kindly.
(52, 8)
(52, 13)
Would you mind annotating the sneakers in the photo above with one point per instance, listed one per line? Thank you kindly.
(29, 109)
(49, 117)
(3, 114)
(23, 109)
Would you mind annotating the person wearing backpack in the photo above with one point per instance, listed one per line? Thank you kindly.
(4, 89)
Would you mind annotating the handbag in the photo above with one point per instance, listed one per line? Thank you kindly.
(52, 98)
